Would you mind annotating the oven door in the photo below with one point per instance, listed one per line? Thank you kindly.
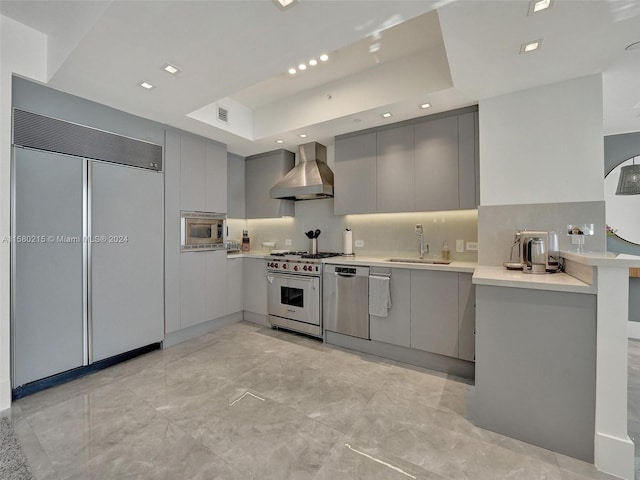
(295, 297)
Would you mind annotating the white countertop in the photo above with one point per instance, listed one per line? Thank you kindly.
(501, 277)
(603, 259)
(461, 267)
(248, 255)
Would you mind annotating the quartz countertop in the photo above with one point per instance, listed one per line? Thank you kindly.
(603, 259)
(501, 277)
(461, 267)
(252, 254)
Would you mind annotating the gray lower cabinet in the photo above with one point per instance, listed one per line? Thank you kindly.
(262, 172)
(466, 317)
(254, 283)
(355, 175)
(436, 164)
(395, 170)
(396, 327)
(434, 312)
(235, 301)
(203, 287)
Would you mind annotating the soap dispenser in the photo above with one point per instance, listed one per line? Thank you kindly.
(445, 251)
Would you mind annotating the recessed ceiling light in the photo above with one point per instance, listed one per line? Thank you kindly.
(324, 57)
(172, 69)
(284, 4)
(536, 6)
(303, 135)
(146, 85)
(313, 62)
(531, 46)
(292, 71)
(302, 66)
(425, 105)
(279, 141)
(386, 114)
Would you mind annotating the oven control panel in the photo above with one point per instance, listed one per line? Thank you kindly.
(295, 266)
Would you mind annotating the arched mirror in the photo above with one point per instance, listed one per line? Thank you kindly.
(622, 211)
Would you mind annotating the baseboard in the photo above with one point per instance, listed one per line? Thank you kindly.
(194, 331)
(257, 319)
(634, 330)
(614, 455)
(5, 395)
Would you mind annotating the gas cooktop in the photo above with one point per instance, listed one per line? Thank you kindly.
(306, 255)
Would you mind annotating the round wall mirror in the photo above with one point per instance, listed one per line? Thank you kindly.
(622, 211)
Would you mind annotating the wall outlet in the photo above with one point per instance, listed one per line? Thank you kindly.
(359, 243)
(459, 246)
(287, 242)
(472, 245)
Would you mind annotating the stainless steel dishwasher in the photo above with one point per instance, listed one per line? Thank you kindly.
(345, 300)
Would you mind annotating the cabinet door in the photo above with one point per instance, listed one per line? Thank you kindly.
(192, 173)
(262, 172)
(234, 285)
(467, 156)
(126, 270)
(215, 171)
(192, 289)
(235, 187)
(434, 311)
(47, 280)
(466, 318)
(395, 170)
(436, 164)
(255, 285)
(172, 231)
(395, 328)
(216, 284)
(355, 175)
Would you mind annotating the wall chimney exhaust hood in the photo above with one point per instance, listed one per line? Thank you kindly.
(310, 179)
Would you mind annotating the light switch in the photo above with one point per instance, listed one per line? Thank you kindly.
(472, 245)
(287, 242)
(359, 243)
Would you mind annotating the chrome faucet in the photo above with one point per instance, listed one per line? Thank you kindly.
(420, 233)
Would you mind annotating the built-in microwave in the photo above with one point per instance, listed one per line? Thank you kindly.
(202, 231)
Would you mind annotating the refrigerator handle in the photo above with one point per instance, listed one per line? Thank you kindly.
(86, 261)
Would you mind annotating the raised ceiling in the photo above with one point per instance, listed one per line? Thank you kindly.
(237, 53)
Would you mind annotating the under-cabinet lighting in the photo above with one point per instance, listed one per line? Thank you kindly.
(172, 69)
(386, 114)
(531, 46)
(536, 6)
(146, 85)
(425, 105)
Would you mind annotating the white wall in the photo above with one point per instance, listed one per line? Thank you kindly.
(23, 51)
(543, 145)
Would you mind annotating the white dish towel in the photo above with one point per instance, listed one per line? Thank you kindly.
(379, 296)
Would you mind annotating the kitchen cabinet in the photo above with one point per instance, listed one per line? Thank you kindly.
(396, 327)
(355, 174)
(395, 170)
(426, 164)
(172, 231)
(434, 311)
(262, 172)
(254, 283)
(203, 175)
(235, 301)
(235, 187)
(203, 287)
(436, 164)
(466, 317)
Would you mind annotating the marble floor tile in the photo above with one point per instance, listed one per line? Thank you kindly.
(248, 402)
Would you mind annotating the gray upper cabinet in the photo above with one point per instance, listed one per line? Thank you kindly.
(425, 164)
(262, 172)
(203, 175)
(468, 165)
(395, 170)
(355, 175)
(396, 327)
(434, 312)
(235, 187)
(436, 165)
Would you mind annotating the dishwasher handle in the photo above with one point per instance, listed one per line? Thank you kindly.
(345, 275)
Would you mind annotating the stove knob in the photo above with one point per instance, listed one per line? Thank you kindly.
(284, 266)
(316, 268)
(295, 267)
(270, 265)
(275, 265)
(304, 268)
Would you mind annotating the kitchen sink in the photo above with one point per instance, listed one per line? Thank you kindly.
(437, 261)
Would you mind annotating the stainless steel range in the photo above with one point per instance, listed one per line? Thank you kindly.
(294, 291)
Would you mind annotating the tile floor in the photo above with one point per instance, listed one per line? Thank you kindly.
(247, 402)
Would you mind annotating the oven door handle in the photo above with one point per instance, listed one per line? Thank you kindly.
(269, 278)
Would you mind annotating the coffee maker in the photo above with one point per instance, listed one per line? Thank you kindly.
(539, 252)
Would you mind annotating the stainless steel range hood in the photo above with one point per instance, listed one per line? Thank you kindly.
(311, 178)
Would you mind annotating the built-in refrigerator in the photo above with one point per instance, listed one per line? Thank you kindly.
(86, 248)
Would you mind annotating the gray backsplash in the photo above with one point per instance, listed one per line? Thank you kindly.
(497, 224)
(389, 234)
